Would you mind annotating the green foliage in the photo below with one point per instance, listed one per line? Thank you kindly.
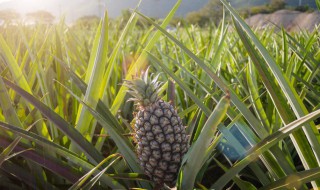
(271, 7)
(86, 23)
(277, 4)
(9, 15)
(198, 18)
(125, 16)
(262, 9)
(178, 21)
(210, 13)
(302, 8)
(41, 16)
(262, 139)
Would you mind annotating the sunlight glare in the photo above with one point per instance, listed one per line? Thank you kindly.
(2, 1)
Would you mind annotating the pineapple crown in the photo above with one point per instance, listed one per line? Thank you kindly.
(144, 90)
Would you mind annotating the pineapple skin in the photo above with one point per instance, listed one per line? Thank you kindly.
(161, 141)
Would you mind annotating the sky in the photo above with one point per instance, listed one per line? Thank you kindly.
(73, 9)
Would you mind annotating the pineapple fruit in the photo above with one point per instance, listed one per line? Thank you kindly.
(159, 133)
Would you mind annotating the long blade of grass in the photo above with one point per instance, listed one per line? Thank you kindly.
(13, 66)
(220, 43)
(206, 88)
(65, 127)
(19, 78)
(234, 99)
(112, 62)
(318, 4)
(192, 162)
(101, 108)
(23, 175)
(140, 63)
(7, 108)
(243, 185)
(181, 84)
(95, 73)
(37, 70)
(94, 180)
(288, 90)
(295, 180)
(220, 81)
(43, 142)
(253, 89)
(55, 166)
(263, 146)
(110, 123)
(6, 152)
(39, 159)
(123, 144)
(298, 137)
(87, 176)
(115, 51)
(11, 116)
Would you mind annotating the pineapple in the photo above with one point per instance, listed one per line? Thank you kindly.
(159, 133)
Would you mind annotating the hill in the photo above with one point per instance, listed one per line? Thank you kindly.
(290, 20)
(293, 3)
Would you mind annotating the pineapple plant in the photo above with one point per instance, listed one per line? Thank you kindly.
(161, 138)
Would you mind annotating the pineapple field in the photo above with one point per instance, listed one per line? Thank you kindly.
(126, 104)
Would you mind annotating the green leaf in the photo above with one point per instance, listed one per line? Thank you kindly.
(253, 89)
(318, 4)
(295, 181)
(21, 174)
(94, 76)
(11, 117)
(192, 163)
(140, 63)
(112, 63)
(263, 146)
(37, 157)
(310, 157)
(94, 180)
(123, 144)
(54, 164)
(242, 127)
(220, 82)
(65, 127)
(20, 79)
(86, 177)
(5, 153)
(181, 84)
